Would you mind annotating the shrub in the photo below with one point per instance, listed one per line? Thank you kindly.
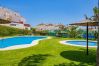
(9, 31)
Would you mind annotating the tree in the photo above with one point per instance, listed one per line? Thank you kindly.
(33, 30)
(96, 18)
(72, 31)
(96, 12)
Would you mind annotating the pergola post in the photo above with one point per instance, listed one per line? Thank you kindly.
(87, 37)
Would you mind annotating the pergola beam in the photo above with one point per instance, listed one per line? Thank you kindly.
(85, 24)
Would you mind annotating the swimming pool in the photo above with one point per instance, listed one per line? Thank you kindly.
(19, 41)
(79, 43)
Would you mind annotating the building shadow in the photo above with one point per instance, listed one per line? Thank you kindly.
(79, 56)
(34, 60)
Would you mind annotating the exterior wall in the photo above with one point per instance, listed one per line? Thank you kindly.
(5, 24)
(47, 27)
(14, 17)
(28, 28)
(6, 13)
(20, 26)
(16, 25)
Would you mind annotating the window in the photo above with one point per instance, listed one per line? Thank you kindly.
(13, 24)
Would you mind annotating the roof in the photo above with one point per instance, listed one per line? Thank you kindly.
(85, 22)
(21, 22)
(2, 21)
(27, 25)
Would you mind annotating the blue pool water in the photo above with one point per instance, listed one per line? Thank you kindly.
(17, 41)
(82, 43)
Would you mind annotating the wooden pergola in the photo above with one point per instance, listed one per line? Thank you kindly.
(2, 21)
(86, 23)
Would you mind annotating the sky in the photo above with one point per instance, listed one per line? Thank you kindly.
(51, 11)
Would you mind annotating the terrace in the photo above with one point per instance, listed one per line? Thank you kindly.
(49, 44)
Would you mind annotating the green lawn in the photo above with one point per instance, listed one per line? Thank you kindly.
(48, 52)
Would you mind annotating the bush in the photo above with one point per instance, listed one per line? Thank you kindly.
(9, 31)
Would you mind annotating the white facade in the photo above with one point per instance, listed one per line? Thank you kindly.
(17, 25)
(9, 14)
(16, 19)
(47, 27)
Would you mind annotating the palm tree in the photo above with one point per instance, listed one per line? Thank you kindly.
(96, 18)
(96, 11)
(72, 31)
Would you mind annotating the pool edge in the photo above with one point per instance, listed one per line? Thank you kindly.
(33, 43)
(64, 42)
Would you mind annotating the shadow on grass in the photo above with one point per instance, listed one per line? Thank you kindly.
(79, 56)
(74, 64)
(34, 60)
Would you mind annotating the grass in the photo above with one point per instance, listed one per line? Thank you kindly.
(49, 52)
